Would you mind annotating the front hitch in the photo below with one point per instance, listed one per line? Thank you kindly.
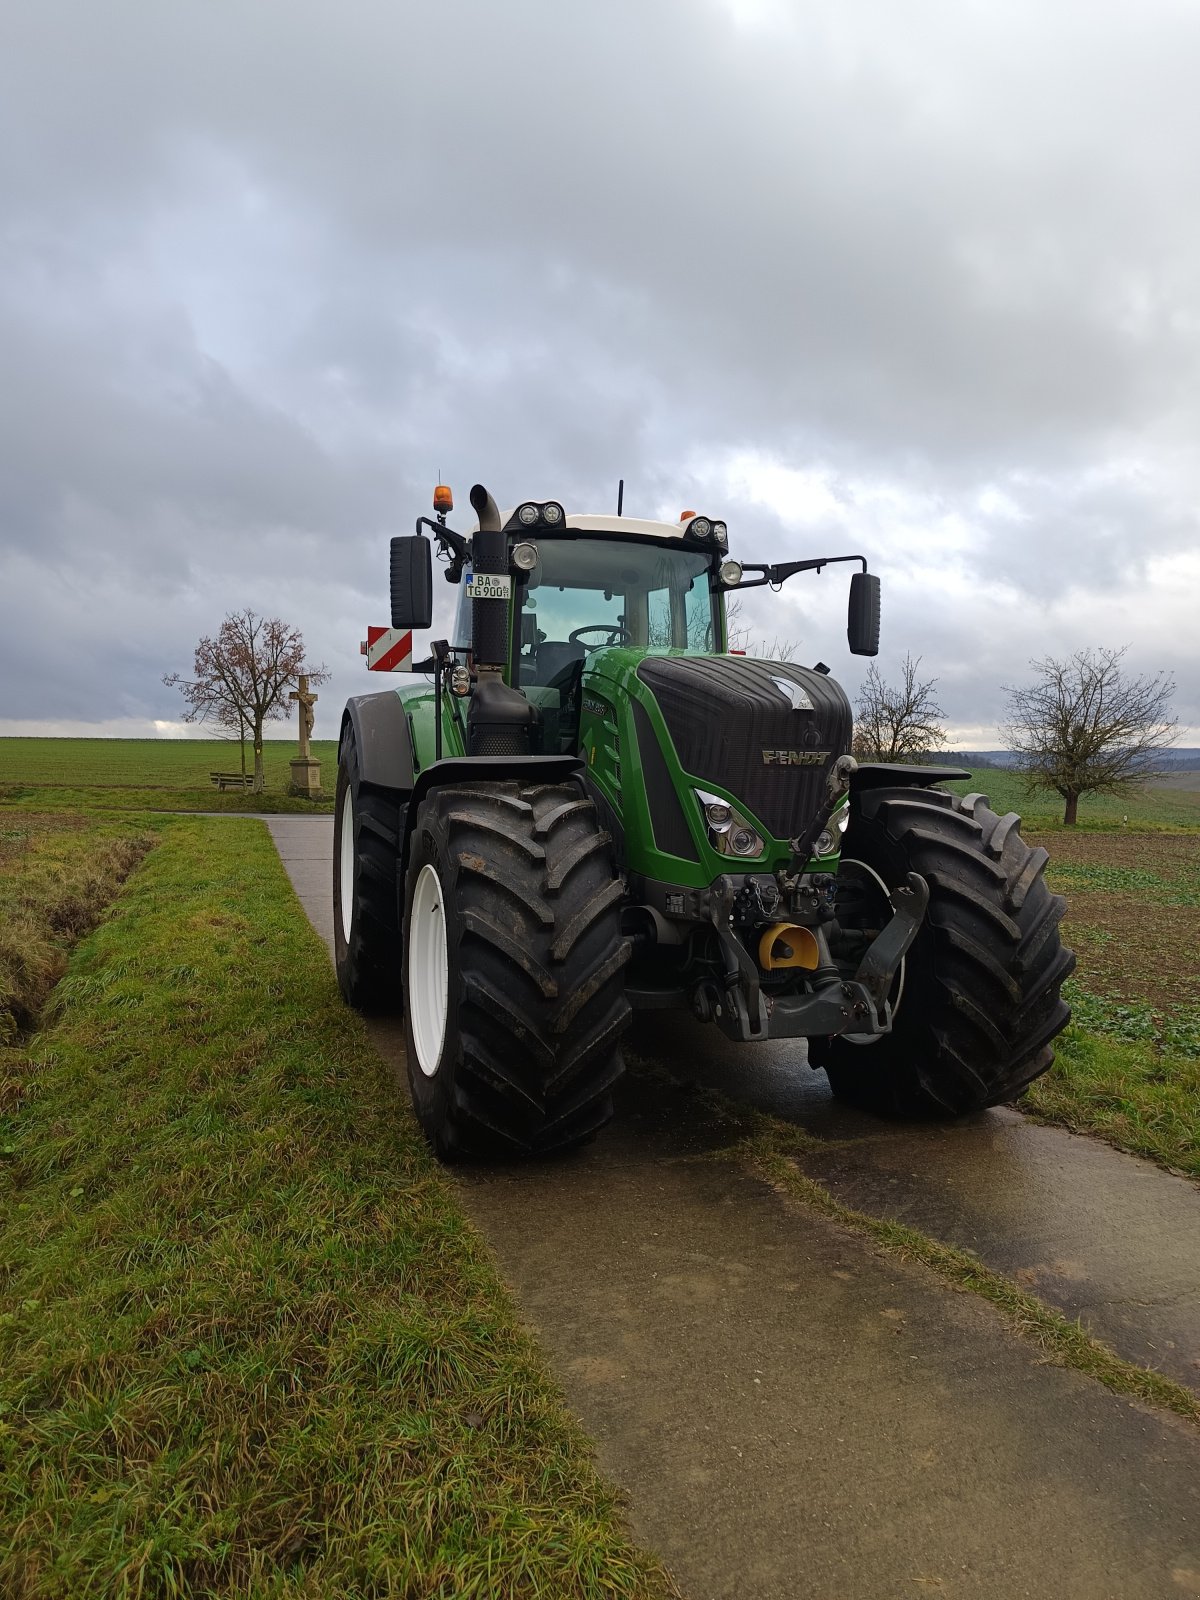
(856, 1005)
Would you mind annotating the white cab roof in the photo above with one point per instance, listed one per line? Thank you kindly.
(588, 524)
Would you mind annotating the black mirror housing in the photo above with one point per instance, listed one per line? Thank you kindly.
(412, 582)
(862, 619)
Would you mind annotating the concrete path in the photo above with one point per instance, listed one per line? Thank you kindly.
(797, 1413)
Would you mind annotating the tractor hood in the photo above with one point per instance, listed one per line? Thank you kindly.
(766, 731)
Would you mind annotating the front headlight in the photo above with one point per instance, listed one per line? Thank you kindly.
(728, 830)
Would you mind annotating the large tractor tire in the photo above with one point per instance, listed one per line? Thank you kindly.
(367, 952)
(514, 970)
(977, 999)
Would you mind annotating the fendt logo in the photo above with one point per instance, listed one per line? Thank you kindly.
(795, 758)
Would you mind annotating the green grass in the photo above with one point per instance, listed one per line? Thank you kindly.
(1147, 809)
(1116, 1076)
(151, 774)
(57, 873)
(249, 1345)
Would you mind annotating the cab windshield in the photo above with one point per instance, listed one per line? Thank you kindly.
(587, 593)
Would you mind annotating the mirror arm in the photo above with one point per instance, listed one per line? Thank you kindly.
(453, 543)
(782, 570)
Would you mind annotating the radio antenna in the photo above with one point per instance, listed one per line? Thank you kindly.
(620, 495)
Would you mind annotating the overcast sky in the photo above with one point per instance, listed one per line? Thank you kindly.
(920, 281)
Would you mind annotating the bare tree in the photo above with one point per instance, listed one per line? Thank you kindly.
(744, 637)
(241, 678)
(898, 722)
(1083, 727)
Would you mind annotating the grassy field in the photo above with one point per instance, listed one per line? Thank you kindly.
(1129, 1066)
(249, 1345)
(151, 774)
(1169, 806)
(172, 774)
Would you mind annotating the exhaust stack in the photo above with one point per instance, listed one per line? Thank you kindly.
(489, 618)
(501, 720)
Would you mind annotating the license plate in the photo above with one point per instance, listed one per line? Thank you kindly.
(489, 585)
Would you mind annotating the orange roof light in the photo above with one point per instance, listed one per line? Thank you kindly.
(443, 500)
(685, 515)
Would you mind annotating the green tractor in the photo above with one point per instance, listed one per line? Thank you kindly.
(586, 804)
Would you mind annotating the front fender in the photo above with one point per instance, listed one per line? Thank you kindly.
(456, 771)
(383, 739)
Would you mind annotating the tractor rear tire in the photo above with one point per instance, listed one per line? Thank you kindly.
(367, 952)
(977, 1001)
(514, 970)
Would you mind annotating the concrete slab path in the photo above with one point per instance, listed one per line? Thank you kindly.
(797, 1413)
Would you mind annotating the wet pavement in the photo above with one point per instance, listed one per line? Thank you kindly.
(1108, 1238)
(796, 1412)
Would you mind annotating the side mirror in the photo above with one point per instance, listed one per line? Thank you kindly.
(412, 582)
(862, 619)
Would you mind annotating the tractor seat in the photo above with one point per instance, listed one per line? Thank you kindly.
(553, 656)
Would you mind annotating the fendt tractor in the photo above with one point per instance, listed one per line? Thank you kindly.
(586, 804)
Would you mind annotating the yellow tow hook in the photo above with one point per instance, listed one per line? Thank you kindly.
(785, 944)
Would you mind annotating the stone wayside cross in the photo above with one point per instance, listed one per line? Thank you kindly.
(306, 769)
(307, 701)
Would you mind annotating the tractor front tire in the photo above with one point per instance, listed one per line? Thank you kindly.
(366, 917)
(514, 970)
(977, 1000)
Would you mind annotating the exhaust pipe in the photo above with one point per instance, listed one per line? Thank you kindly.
(500, 721)
(489, 618)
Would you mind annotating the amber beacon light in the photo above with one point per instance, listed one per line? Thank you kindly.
(443, 500)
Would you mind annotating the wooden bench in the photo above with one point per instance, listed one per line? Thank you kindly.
(231, 780)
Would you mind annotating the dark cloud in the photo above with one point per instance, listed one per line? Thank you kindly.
(265, 270)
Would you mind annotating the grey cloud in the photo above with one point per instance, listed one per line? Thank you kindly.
(264, 270)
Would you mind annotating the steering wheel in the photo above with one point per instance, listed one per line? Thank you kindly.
(617, 633)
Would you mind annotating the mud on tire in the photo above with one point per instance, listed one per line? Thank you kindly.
(366, 921)
(980, 1003)
(513, 911)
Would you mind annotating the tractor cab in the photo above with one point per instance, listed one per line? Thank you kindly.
(583, 588)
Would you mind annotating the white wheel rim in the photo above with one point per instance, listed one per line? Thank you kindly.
(346, 866)
(874, 1038)
(428, 970)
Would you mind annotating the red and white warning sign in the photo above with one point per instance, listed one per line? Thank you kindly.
(388, 649)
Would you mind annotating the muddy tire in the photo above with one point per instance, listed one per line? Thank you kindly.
(977, 1001)
(366, 917)
(514, 970)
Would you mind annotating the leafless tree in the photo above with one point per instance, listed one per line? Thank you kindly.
(744, 637)
(898, 722)
(1083, 727)
(241, 678)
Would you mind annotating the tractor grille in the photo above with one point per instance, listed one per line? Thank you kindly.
(730, 724)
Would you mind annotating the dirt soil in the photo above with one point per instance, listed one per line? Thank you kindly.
(1129, 915)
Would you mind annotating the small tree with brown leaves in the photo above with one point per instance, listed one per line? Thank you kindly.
(898, 722)
(242, 677)
(1083, 727)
